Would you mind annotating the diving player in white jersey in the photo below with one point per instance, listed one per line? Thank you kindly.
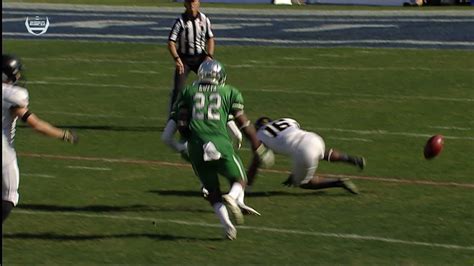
(306, 149)
(15, 105)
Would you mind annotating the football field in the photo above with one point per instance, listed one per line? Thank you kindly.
(122, 197)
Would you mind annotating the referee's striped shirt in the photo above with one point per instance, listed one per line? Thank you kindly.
(191, 34)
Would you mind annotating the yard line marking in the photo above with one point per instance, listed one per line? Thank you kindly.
(60, 78)
(144, 71)
(105, 85)
(252, 40)
(182, 165)
(107, 116)
(362, 95)
(351, 139)
(357, 131)
(256, 228)
(265, 64)
(453, 128)
(287, 91)
(384, 132)
(38, 175)
(101, 75)
(88, 168)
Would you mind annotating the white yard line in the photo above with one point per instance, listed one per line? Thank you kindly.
(253, 40)
(37, 175)
(356, 131)
(134, 117)
(257, 228)
(351, 139)
(96, 85)
(89, 168)
(385, 132)
(262, 64)
(183, 165)
(283, 91)
(452, 128)
(101, 75)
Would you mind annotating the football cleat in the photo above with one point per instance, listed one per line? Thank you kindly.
(347, 184)
(246, 210)
(360, 162)
(233, 207)
(230, 232)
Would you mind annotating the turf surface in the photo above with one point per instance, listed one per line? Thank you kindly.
(80, 206)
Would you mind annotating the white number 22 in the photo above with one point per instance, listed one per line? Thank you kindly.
(212, 108)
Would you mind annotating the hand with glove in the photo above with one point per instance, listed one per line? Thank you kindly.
(70, 136)
(266, 156)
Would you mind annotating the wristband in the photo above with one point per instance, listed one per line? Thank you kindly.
(25, 116)
(176, 58)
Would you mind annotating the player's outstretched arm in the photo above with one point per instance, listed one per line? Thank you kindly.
(44, 127)
(264, 155)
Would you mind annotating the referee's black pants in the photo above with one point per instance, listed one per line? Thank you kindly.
(191, 63)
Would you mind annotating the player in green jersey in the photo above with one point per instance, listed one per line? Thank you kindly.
(203, 109)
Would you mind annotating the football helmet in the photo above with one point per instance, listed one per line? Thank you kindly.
(11, 68)
(262, 121)
(212, 72)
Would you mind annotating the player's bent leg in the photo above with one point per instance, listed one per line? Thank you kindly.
(7, 207)
(321, 183)
(333, 155)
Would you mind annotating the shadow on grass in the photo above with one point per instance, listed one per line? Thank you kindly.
(296, 193)
(105, 208)
(108, 128)
(64, 237)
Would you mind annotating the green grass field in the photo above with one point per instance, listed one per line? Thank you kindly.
(122, 197)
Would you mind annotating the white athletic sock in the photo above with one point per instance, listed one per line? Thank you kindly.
(236, 190)
(222, 213)
(240, 199)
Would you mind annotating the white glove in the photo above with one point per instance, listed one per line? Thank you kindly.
(266, 156)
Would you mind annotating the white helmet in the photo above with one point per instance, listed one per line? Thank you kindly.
(211, 71)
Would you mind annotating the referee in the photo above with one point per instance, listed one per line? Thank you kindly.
(190, 42)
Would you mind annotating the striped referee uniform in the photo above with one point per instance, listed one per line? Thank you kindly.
(190, 35)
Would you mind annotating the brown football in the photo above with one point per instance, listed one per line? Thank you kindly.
(434, 146)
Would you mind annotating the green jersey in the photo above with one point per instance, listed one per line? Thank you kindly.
(210, 106)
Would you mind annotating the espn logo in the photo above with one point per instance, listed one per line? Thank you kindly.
(37, 25)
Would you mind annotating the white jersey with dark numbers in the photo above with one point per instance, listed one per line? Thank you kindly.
(12, 96)
(282, 135)
(305, 148)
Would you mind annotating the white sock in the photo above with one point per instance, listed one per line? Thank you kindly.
(236, 190)
(222, 213)
(240, 199)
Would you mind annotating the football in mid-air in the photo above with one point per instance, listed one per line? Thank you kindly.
(434, 146)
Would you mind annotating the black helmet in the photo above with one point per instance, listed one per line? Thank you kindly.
(262, 121)
(11, 66)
